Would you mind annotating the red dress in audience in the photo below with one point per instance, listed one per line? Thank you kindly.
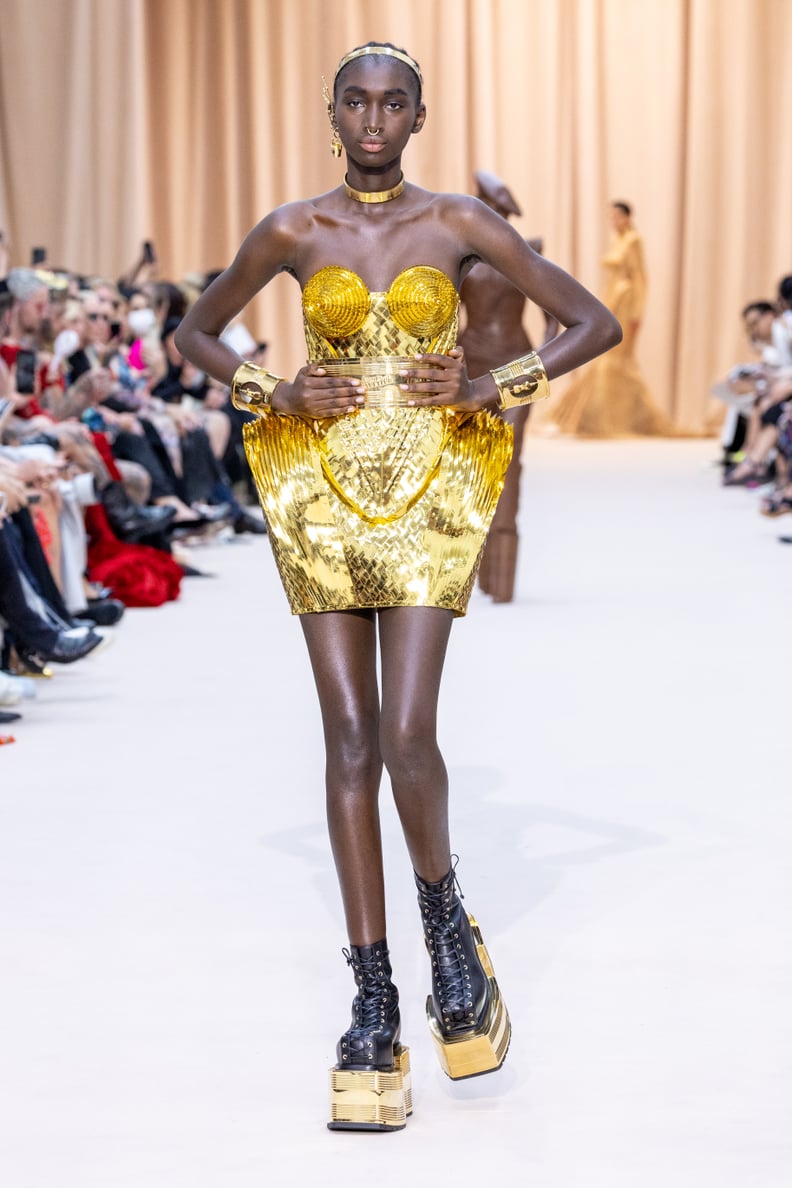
(137, 574)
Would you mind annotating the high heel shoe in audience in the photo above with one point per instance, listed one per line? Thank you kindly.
(130, 521)
(69, 647)
(745, 474)
(102, 612)
(29, 667)
(776, 505)
(212, 511)
(248, 523)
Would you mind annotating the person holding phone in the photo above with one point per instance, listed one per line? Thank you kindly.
(142, 271)
(29, 307)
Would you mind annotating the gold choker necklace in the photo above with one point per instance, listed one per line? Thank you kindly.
(375, 195)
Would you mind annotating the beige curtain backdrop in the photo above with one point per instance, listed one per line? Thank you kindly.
(185, 121)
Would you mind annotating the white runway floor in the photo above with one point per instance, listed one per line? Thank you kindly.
(171, 979)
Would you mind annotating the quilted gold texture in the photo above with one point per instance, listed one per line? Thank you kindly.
(388, 505)
(407, 444)
(331, 558)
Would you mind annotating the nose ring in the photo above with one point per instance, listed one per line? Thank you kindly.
(372, 131)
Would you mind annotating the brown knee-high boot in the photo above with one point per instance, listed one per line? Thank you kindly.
(501, 550)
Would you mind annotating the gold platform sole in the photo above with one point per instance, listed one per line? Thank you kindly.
(370, 1099)
(480, 1051)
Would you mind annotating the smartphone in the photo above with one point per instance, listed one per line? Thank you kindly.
(148, 251)
(26, 372)
(94, 420)
(38, 256)
(115, 329)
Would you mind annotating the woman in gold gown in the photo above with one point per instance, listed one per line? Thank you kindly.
(379, 467)
(610, 398)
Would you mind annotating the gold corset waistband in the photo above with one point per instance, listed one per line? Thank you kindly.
(381, 376)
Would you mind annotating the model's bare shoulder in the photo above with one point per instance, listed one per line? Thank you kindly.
(285, 223)
(460, 207)
(275, 241)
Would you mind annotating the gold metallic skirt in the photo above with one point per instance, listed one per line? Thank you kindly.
(386, 506)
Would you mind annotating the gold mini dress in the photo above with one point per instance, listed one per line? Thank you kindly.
(388, 505)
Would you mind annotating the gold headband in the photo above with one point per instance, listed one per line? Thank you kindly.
(378, 49)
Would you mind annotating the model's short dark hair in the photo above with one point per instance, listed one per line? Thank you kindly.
(624, 207)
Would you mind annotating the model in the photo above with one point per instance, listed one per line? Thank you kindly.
(494, 330)
(379, 466)
(610, 398)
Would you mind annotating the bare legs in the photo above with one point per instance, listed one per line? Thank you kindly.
(413, 643)
(362, 732)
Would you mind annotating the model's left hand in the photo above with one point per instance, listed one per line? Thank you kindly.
(440, 380)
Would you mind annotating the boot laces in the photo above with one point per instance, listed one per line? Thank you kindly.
(373, 990)
(451, 965)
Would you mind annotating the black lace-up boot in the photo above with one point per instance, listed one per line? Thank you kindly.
(375, 1010)
(467, 1017)
(370, 1085)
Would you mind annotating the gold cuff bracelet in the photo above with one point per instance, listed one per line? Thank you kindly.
(521, 382)
(252, 388)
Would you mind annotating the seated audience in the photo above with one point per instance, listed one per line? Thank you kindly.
(111, 448)
(768, 385)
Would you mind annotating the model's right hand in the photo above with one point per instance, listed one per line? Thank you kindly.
(314, 393)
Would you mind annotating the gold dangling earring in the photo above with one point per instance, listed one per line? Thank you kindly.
(335, 144)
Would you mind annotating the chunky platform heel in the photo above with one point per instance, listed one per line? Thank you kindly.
(467, 1017)
(370, 1086)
